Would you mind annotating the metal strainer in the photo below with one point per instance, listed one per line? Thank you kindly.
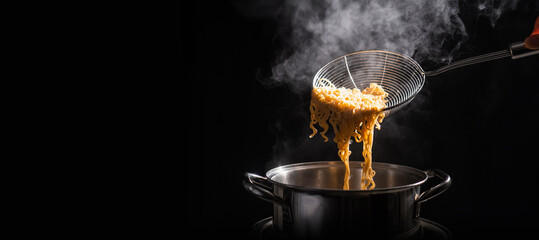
(399, 75)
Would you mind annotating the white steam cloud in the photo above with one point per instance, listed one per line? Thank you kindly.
(323, 30)
(495, 8)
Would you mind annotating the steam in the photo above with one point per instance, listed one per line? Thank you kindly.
(323, 30)
(494, 9)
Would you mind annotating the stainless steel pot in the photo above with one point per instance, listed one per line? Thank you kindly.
(309, 202)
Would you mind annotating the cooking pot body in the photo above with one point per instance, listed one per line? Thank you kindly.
(309, 202)
(383, 215)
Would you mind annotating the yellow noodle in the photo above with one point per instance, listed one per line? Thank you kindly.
(352, 114)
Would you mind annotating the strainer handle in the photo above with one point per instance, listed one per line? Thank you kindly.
(516, 50)
(470, 61)
(519, 50)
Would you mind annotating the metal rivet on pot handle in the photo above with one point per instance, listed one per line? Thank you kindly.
(261, 187)
(438, 189)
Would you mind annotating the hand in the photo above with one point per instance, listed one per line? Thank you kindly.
(532, 42)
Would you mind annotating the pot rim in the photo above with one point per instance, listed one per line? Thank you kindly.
(305, 165)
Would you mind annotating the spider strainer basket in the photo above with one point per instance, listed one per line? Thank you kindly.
(400, 76)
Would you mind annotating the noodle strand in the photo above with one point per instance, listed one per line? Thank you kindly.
(353, 114)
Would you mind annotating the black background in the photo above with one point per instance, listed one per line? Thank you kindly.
(478, 124)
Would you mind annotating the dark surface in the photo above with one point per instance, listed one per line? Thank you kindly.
(479, 124)
(428, 229)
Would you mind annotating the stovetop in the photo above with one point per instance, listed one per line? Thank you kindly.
(264, 230)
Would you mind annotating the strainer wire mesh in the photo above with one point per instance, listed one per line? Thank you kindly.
(400, 76)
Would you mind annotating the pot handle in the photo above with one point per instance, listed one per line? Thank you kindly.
(438, 189)
(261, 188)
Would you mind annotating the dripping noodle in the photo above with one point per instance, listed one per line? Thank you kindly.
(353, 114)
